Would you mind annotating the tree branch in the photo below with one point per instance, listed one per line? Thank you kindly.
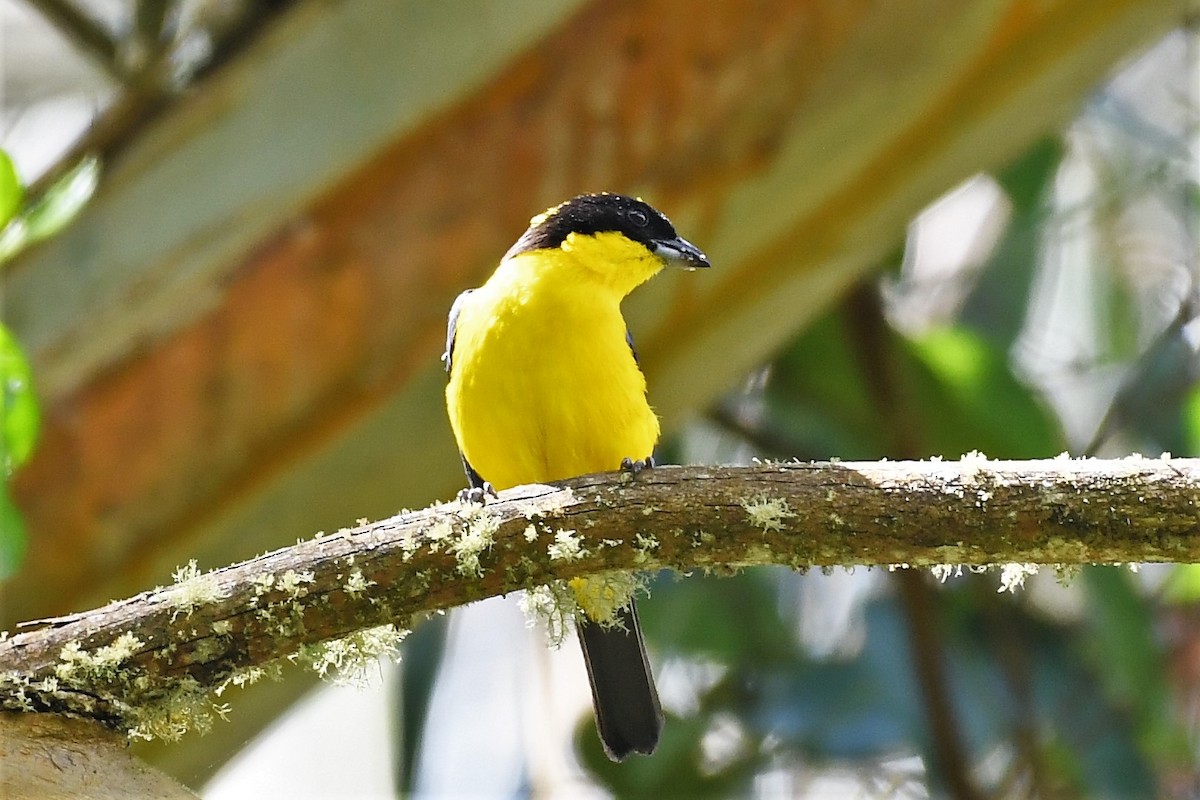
(151, 662)
(87, 35)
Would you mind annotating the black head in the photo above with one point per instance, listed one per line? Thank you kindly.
(603, 213)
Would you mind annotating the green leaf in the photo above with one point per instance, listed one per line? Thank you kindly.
(53, 211)
(11, 191)
(12, 535)
(969, 399)
(19, 416)
(1183, 584)
(63, 200)
(1191, 422)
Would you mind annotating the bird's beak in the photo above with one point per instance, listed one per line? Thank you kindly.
(679, 252)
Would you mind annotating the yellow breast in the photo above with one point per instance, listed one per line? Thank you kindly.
(544, 385)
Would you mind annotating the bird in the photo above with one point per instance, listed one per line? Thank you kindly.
(545, 384)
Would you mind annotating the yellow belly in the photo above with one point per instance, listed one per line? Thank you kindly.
(544, 385)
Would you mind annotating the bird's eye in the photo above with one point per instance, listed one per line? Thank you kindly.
(638, 217)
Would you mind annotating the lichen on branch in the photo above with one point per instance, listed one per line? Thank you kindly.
(159, 663)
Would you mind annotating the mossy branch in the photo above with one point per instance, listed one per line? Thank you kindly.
(150, 664)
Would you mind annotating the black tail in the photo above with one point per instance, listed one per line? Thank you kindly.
(628, 715)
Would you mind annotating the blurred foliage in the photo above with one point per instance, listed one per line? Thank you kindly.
(928, 690)
(19, 417)
(25, 222)
(47, 215)
(11, 190)
(19, 420)
(1075, 704)
(1191, 417)
(1184, 584)
(997, 695)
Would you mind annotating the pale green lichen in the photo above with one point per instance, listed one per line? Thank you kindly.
(247, 676)
(438, 533)
(552, 605)
(767, 513)
(643, 546)
(193, 589)
(356, 584)
(78, 667)
(156, 707)
(410, 543)
(187, 707)
(184, 705)
(263, 583)
(943, 572)
(16, 692)
(645, 542)
(1065, 574)
(293, 582)
(175, 707)
(567, 546)
(350, 660)
(187, 572)
(1012, 576)
(478, 537)
(971, 465)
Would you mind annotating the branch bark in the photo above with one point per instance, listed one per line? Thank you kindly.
(151, 663)
(51, 757)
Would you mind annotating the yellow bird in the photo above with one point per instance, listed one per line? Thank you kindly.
(545, 385)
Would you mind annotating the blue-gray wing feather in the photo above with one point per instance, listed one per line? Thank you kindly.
(451, 326)
(632, 349)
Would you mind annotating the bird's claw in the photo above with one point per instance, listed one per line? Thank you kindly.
(634, 467)
(477, 495)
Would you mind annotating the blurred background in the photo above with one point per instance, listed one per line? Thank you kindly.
(232, 229)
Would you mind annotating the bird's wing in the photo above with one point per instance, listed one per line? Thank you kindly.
(452, 324)
(632, 349)
(473, 478)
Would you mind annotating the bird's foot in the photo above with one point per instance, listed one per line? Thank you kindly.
(477, 495)
(634, 467)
